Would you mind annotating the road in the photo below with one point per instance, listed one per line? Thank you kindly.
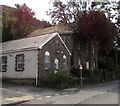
(105, 93)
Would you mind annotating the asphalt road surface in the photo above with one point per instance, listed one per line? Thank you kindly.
(105, 93)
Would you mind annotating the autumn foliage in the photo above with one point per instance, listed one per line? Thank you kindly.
(19, 22)
(96, 28)
(25, 20)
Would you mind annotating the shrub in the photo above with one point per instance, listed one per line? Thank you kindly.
(59, 76)
(97, 71)
(58, 80)
(86, 73)
(106, 63)
(75, 72)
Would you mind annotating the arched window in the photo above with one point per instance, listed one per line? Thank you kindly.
(79, 61)
(64, 63)
(87, 64)
(47, 60)
(56, 62)
(94, 64)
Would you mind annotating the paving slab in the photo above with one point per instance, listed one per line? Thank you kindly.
(14, 97)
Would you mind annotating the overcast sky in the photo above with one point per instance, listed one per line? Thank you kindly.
(39, 6)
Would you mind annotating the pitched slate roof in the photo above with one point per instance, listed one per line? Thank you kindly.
(61, 29)
(29, 43)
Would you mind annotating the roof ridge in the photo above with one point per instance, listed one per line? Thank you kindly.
(61, 29)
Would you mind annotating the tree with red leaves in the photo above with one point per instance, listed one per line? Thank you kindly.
(25, 19)
(98, 30)
(19, 22)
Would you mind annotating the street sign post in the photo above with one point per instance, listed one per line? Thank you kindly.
(81, 73)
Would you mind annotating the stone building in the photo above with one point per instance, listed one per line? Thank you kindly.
(45, 51)
(33, 58)
(81, 51)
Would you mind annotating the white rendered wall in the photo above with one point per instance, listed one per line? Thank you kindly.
(30, 67)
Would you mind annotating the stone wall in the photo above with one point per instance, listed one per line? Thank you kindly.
(80, 52)
(56, 49)
(20, 81)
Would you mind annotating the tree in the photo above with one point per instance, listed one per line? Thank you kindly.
(63, 13)
(19, 22)
(25, 19)
(59, 13)
(8, 29)
(98, 30)
(112, 11)
(118, 25)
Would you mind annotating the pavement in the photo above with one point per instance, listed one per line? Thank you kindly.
(14, 97)
(18, 94)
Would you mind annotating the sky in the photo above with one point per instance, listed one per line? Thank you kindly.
(38, 6)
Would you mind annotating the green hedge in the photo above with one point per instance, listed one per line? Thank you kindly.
(86, 73)
(57, 80)
(59, 76)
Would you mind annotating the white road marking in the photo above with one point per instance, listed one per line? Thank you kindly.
(48, 96)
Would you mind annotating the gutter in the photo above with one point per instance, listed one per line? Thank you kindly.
(18, 50)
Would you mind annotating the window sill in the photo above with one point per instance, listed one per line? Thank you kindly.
(19, 70)
(47, 69)
(3, 71)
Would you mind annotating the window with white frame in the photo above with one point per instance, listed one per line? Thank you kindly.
(3, 63)
(87, 65)
(56, 62)
(47, 60)
(64, 63)
(20, 62)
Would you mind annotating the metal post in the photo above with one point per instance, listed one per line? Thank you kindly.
(80, 67)
(81, 76)
(116, 58)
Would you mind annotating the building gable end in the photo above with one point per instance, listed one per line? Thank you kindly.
(55, 34)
